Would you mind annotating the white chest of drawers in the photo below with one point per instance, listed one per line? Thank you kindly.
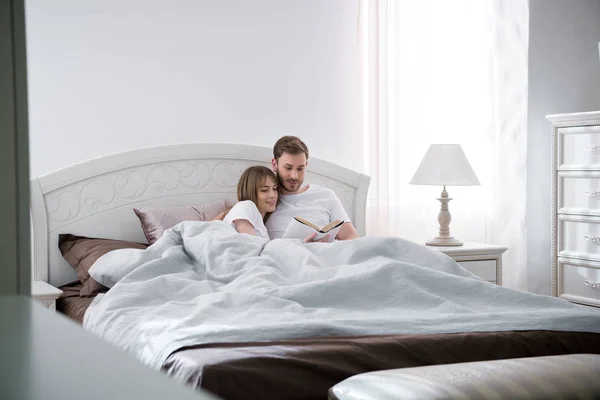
(576, 207)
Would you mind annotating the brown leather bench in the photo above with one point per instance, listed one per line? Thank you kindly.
(574, 376)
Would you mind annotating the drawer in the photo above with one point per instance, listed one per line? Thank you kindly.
(579, 237)
(579, 192)
(485, 269)
(578, 147)
(579, 281)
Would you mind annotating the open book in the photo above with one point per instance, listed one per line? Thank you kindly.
(299, 228)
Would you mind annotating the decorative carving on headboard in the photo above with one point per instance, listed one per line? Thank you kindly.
(137, 184)
(226, 174)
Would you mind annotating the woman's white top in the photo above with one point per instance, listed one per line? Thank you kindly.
(247, 210)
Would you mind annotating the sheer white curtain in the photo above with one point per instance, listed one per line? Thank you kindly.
(438, 71)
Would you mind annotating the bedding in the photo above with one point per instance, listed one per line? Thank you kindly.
(204, 284)
(82, 252)
(156, 220)
(71, 304)
(306, 368)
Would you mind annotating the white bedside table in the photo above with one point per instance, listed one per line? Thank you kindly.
(45, 294)
(484, 260)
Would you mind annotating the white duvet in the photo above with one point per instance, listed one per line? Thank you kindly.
(202, 282)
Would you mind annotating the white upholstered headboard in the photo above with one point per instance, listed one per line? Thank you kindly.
(96, 198)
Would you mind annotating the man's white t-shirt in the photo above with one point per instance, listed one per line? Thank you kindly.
(316, 204)
(247, 210)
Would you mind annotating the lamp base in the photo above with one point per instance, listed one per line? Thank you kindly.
(444, 241)
(444, 218)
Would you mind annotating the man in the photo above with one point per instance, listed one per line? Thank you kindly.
(317, 204)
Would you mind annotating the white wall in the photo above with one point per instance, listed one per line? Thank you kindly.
(111, 75)
(564, 76)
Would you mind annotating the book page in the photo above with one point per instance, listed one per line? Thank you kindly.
(298, 230)
(332, 233)
(306, 222)
(332, 225)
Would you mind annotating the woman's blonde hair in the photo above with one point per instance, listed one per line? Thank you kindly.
(250, 182)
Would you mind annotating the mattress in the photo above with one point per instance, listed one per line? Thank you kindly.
(307, 368)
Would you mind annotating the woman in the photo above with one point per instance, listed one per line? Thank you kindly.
(257, 199)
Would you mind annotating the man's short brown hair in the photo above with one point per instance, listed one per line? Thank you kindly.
(291, 145)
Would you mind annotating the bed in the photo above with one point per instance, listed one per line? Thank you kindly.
(95, 199)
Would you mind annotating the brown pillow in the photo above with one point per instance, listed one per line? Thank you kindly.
(156, 220)
(82, 252)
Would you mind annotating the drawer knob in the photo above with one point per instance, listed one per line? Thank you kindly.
(592, 239)
(593, 193)
(592, 284)
(593, 148)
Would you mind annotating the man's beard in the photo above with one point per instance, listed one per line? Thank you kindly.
(284, 184)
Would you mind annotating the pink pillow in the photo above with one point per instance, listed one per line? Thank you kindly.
(156, 220)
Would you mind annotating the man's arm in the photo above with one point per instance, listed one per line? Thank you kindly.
(337, 211)
(347, 232)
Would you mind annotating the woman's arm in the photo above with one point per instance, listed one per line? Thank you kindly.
(244, 226)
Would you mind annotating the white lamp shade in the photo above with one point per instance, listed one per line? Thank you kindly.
(445, 164)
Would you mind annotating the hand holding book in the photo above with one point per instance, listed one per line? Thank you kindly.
(299, 228)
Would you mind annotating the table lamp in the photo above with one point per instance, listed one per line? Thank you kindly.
(444, 165)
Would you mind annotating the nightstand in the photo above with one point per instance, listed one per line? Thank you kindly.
(45, 294)
(484, 260)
